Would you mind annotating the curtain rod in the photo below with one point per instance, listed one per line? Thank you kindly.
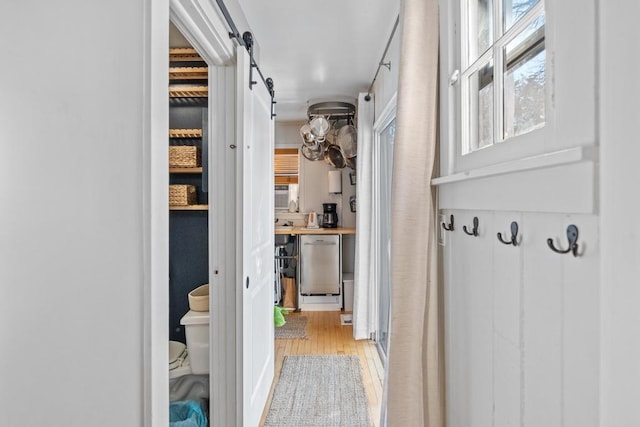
(246, 40)
(381, 63)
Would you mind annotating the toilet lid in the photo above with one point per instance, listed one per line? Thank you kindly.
(177, 354)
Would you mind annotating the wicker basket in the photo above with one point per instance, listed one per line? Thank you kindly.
(181, 195)
(184, 156)
(199, 298)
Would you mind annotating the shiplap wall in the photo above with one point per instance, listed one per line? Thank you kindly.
(522, 322)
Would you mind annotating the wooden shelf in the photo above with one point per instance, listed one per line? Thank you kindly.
(188, 73)
(188, 91)
(185, 170)
(185, 133)
(184, 54)
(189, 208)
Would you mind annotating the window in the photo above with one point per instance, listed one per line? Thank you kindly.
(503, 80)
(286, 165)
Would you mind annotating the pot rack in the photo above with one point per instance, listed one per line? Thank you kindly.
(333, 111)
(246, 40)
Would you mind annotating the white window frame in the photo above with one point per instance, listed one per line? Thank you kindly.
(570, 93)
(493, 53)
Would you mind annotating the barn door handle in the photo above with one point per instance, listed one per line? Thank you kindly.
(247, 282)
(514, 235)
(572, 237)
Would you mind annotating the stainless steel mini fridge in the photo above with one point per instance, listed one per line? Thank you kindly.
(319, 264)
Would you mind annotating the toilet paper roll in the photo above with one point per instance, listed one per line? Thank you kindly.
(335, 182)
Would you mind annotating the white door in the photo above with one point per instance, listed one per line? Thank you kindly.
(256, 243)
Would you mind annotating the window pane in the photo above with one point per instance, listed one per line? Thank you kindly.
(481, 108)
(514, 10)
(480, 27)
(524, 93)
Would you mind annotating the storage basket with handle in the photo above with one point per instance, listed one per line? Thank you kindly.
(184, 156)
(182, 195)
(199, 298)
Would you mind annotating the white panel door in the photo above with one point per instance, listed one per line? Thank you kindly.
(255, 186)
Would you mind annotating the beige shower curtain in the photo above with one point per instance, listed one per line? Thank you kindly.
(415, 382)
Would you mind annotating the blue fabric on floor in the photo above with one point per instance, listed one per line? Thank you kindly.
(187, 413)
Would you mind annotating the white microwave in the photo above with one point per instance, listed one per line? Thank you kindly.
(281, 196)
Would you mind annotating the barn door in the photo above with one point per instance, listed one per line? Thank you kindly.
(255, 186)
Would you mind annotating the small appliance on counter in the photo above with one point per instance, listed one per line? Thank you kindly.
(330, 215)
(312, 222)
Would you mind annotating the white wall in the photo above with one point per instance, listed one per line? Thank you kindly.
(288, 134)
(521, 341)
(620, 205)
(73, 253)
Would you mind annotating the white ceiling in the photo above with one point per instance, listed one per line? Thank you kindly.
(319, 50)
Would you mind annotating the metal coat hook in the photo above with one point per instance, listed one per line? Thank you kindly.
(474, 230)
(572, 236)
(450, 226)
(514, 235)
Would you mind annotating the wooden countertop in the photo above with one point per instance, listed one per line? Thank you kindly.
(305, 230)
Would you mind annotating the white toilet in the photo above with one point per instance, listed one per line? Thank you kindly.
(189, 365)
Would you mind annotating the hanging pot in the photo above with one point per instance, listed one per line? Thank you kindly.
(307, 136)
(312, 153)
(347, 140)
(334, 156)
(319, 128)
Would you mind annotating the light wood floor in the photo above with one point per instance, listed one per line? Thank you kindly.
(325, 335)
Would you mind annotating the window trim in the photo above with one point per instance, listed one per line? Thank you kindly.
(492, 53)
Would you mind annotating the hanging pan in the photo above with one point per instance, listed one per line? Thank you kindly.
(307, 136)
(347, 140)
(319, 128)
(312, 153)
(334, 156)
(351, 162)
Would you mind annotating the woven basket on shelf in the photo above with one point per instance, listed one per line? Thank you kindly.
(181, 195)
(184, 156)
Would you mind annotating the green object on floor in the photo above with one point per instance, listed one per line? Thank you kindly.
(278, 316)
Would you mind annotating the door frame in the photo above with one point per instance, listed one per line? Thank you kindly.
(384, 119)
(203, 25)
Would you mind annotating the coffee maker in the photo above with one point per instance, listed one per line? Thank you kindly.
(329, 216)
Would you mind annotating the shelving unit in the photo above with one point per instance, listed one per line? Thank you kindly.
(185, 133)
(184, 54)
(186, 170)
(188, 73)
(179, 91)
(189, 208)
(188, 224)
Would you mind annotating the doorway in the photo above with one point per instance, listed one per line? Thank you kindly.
(384, 130)
(385, 150)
